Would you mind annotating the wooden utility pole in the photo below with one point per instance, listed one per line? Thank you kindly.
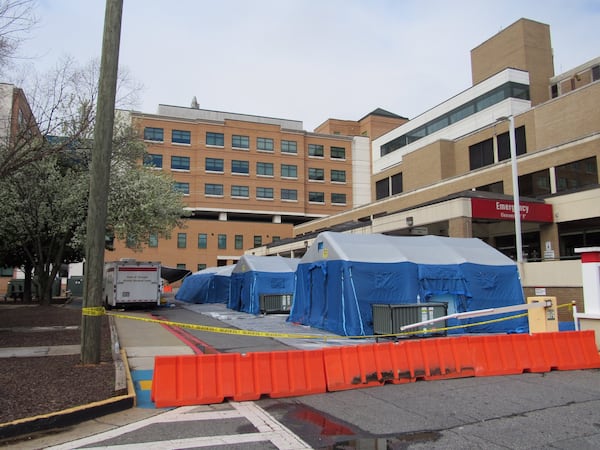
(99, 181)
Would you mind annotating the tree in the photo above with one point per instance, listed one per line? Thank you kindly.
(16, 19)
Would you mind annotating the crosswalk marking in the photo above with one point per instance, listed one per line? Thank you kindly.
(269, 429)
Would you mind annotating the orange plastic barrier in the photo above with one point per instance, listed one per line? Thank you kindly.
(211, 378)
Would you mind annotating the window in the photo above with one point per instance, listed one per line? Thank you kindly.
(202, 240)
(180, 265)
(338, 199)
(238, 141)
(131, 241)
(289, 171)
(497, 187)
(596, 73)
(153, 240)
(184, 188)
(289, 194)
(275, 238)
(181, 240)
(181, 137)
(535, 184)
(554, 90)
(257, 241)
(216, 139)
(180, 162)
(316, 197)
(213, 189)
(382, 189)
(265, 144)
(264, 169)
(397, 184)
(576, 174)
(264, 193)
(316, 174)
(503, 141)
(213, 165)
(338, 153)
(201, 267)
(239, 242)
(315, 150)
(153, 160)
(222, 241)
(153, 134)
(240, 167)
(481, 154)
(338, 176)
(289, 147)
(240, 191)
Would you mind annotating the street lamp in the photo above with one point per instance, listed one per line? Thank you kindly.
(515, 185)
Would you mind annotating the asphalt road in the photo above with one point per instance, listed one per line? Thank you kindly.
(559, 409)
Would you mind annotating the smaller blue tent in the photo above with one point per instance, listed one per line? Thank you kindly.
(342, 275)
(210, 285)
(254, 276)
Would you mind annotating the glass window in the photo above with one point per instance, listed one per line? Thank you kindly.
(289, 194)
(289, 171)
(153, 160)
(315, 174)
(184, 188)
(264, 169)
(239, 242)
(481, 154)
(503, 141)
(202, 240)
(338, 153)
(264, 192)
(242, 167)
(180, 265)
(535, 184)
(596, 73)
(338, 176)
(576, 174)
(216, 139)
(338, 199)
(131, 241)
(316, 197)
(181, 137)
(213, 165)
(382, 189)
(257, 241)
(180, 162)
(153, 240)
(213, 189)
(289, 147)
(201, 267)
(181, 240)
(153, 134)
(240, 191)
(222, 241)
(275, 238)
(265, 144)
(397, 185)
(315, 150)
(238, 141)
(497, 187)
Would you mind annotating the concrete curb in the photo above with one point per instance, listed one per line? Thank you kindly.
(78, 414)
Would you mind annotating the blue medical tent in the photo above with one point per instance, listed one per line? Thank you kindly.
(342, 275)
(254, 276)
(210, 285)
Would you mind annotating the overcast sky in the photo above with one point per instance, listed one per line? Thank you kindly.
(306, 60)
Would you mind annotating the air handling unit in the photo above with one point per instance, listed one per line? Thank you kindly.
(388, 319)
(275, 303)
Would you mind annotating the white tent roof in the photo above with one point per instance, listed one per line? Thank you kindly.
(220, 270)
(265, 264)
(380, 248)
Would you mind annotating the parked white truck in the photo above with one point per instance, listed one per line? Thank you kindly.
(129, 282)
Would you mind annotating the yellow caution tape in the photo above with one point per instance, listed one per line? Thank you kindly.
(93, 311)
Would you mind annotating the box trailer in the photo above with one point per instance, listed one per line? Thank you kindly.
(130, 282)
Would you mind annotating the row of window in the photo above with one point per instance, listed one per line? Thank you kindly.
(203, 241)
(243, 142)
(242, 167)
(482, 154)
(264, 193)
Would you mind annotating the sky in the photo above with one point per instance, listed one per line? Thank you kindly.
(306, 60)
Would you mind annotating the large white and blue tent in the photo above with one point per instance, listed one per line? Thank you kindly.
(210, 285)
(342, 275)
(254, 276)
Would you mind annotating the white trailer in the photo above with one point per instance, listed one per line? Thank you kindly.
(129, 282)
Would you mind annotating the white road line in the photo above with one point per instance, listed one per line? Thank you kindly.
(269, 429)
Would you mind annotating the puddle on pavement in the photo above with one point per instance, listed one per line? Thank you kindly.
(325, 432)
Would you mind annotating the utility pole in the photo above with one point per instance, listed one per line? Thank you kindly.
(99, 181)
